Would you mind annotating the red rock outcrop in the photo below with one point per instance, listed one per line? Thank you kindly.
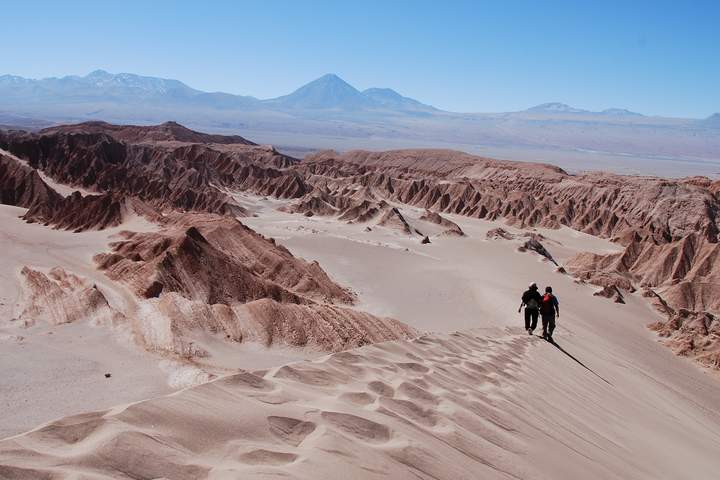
(685, 272)
(168, 175)
(532, 243)
(668, 227)
(22, 186)
(215, 259)
(452, 229)
(392, 218)
(166, 132)
(692, 334)
(60, 297)
(606, 205)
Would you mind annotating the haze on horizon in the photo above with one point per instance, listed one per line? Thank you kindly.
(653, 58)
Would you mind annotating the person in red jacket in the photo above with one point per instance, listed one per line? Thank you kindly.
(549, 309)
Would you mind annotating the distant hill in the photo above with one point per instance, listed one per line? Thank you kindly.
(166, 132)
(620, 112)
(389, 98)
(712, 121)
(557, 107)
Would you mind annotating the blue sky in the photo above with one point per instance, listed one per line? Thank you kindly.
(655, 57)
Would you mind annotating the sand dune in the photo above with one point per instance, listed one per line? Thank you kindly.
(460, 406)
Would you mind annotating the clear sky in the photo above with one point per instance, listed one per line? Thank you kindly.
(656, 57)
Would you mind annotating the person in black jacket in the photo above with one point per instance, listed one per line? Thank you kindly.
(531, 299)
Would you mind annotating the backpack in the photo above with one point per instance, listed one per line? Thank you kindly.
(532, 304)
(547, 307)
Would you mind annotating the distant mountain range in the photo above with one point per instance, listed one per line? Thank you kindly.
(327, 92)
(330, 113)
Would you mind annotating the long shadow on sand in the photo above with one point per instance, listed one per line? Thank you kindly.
(553, 343)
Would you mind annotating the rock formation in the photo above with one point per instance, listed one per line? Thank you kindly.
(215, 259)
(59, 297)
(452, 229)
(532, 243)
(392, 218)
(668, 227)
(168, 175)
(201, 270)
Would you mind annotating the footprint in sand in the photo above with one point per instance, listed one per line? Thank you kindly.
(357, 398)
(413, 392)
(310, 376)
(381, 388)
(267, 457)
(408, 410)
(71, 429)
(246, 380)
(358, 427)
(413, 367)
(290, 430)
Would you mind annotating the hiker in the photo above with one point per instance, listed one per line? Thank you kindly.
(549, 308)
(531, 299)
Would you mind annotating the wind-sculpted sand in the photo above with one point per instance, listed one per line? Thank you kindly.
(460, 406)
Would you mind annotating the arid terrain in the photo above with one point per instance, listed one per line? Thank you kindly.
(329, 113)
(181, 305)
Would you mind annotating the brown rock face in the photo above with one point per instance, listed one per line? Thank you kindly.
(202, 270)
(610, 206)
(166, 132)
(532, 243)
(684, 271)
(215, 259)
(59, 297)
(613, 292)
(691, 334)
(668, 227)
(22, 186)
(452, 228)
(168, 175)
(392, 218)
(80, 213)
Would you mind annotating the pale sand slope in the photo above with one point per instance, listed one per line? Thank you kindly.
(488, 403)
(452, 283)
(478, 404)
(49, 371)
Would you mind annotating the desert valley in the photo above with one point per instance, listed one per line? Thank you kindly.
(184, 305)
